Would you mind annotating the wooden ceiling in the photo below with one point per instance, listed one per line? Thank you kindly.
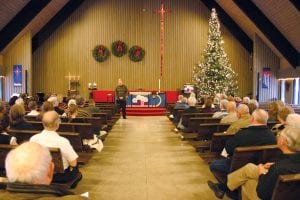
(283, 14)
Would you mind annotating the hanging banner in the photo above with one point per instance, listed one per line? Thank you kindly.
(17, 75)
(266, 77)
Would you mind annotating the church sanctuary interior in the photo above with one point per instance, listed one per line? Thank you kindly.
(154, 99)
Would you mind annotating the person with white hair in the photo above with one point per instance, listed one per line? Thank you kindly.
(192, 109)
(223, 109)
(246, 100)
(258, 181)
(243, 121)
(257, 134)
(231, 113)
(55, 103)
(182, 105)
(29, 170)
(50, 138)
(293, 120)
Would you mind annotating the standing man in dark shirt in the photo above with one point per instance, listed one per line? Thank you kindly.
(121, 94)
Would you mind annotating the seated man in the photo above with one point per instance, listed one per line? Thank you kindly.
(243, 121)
(256, 134)
(55, 103)
(192, 109)
(49, 138)
(29, 169)
(231, 113)
(258, 181)
(182, 105)
(82, 111)
(223, 107)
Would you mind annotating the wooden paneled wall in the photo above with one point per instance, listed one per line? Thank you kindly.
(18, 54)
(69, 49)
(264, 57)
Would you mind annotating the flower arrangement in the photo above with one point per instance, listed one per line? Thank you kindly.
(119, 48)
(136, 53)
(100, 53)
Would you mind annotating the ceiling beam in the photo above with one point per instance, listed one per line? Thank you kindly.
(270, 31)
(20, 21)
(49, 28)
(296, 3)
(233, 27)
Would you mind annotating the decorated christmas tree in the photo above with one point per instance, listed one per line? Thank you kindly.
(215, 75)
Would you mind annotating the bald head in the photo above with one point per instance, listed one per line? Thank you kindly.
(259, 117)
(242, 110)
(51, 120)
(29, 163)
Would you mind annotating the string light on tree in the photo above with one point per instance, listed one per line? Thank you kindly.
(215, 74)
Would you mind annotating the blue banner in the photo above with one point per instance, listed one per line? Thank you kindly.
(17, 75)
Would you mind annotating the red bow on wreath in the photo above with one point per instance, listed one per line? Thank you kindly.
(137, 52)
(119, 47)
(100, 51)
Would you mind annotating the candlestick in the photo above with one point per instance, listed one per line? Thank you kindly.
(158, 85)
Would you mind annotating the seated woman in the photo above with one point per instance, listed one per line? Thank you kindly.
(17, 121)
(283, 112)
(47, 106)
(32, 105)
(4, 122)
(273, 108)
(208, 106)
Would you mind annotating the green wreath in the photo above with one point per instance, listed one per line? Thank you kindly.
(119, 48)
(136, 53)
(100, 53)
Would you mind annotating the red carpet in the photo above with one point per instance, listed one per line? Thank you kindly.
(145, 111)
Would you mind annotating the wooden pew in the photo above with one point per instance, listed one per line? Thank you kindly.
(25, 135)
(251, 154)
(186, 117)
(56, 159)
(194, 123)
(287, 187)
(201, 141)
(55, 153)
(86, 130)
(83, 151)
(96, 122)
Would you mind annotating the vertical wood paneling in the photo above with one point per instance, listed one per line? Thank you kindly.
(133, 21)
(19, 53)
(264, 57)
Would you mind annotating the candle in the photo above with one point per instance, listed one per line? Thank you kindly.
(158, 85)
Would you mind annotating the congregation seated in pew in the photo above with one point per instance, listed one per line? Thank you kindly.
(49, 138)
(231, 113)
(191, 109)
(31, 176)
(4, 123)
(258, 181)
(32, 105)
(17, 120)
(243, 119)
(256, 134)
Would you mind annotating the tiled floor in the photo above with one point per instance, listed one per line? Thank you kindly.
(143, 159)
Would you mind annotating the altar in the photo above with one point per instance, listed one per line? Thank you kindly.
(146, 99)
(138, 98)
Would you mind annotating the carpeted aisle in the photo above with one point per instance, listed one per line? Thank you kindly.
(143, 159)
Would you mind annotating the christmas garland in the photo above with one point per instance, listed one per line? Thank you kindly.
(100, 53)
(119, 48)
(136, 53)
